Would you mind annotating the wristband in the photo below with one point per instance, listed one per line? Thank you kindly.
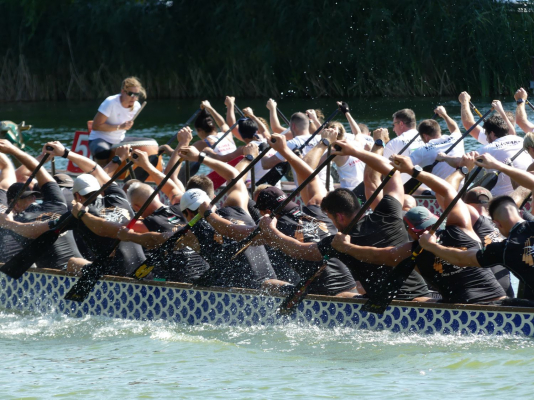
(519, 101)
(81, 214)
(249, 157)
(207, 213)
(201, 157)
(66, 153)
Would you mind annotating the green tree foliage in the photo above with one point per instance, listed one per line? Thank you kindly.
(57, 49)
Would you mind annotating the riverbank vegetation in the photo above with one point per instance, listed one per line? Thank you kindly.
(74, 49)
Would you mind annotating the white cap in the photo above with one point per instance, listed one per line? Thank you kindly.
(193, 198)
(85, 184)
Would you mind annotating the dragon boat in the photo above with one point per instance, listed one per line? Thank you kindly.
(42, 291)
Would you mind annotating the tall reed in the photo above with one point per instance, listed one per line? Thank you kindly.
(75, 49)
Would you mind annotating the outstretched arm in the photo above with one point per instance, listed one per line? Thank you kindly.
(445, 193)
(315, 191)
(497, 105)
(273, 117)
(523, 178)
(451, 124)
(380, 164)
(30, 230)
(389, 256)
(467, 116)
(520, 112)
(171, 189)
(219, 120)
(290, 246)
(458, 257)
(86, 165)
(237, 194)
(28, 161)
(7, 177)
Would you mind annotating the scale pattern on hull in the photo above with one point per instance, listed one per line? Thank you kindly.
(43, 293)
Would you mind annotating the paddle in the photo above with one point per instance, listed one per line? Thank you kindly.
(248, 240)
(141, 174)
(21, 262)
(412, 185)
(359, 190)
(529, 104)
(279, 170)
(476, 110)
(91, 273)
(379, 301)
(282, 116)
(159, 253)
(300, 290)
(490, 180)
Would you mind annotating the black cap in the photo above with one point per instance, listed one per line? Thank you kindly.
(64, 180)
(14, 189)
(270, 198)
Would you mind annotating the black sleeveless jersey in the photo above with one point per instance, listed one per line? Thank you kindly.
(248, 270)
(180, 265)
(383, 228)
(489, 233)
(458, 284)
(515, 253)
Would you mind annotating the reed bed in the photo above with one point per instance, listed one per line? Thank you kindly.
(74, 49)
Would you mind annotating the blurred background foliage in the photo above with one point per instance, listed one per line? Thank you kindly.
(74, 49)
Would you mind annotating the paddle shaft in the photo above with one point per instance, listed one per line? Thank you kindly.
(529, 104)
(139, 111)
(476, 110)
(240, 111)
(281, 114)
(28, 181)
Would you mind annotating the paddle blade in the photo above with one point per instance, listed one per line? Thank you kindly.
(148, 265)
(275, 174)
(380, 300)
(411, 186)
(359, 191)
(298, 293)
(490, 180)
(21, 262)
(91, 273)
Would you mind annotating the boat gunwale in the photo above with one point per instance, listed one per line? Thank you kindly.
(321, 298)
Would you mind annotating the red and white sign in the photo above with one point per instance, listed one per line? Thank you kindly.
(79, 146)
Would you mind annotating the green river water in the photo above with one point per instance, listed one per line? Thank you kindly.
(51, 356)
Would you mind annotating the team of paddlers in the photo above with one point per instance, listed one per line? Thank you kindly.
(354, 240)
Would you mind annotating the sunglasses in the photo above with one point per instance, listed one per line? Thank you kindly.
(133, 94)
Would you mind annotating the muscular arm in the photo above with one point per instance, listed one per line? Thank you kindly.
(522, 120)
(467, 116)
(295, 249)
(100, 226)
(389, 256)
(7, 177)
(459, 257)
(273, 117)
(31, 163)
(30, 230)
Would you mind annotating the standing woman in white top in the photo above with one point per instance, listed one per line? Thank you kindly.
(114, 118)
